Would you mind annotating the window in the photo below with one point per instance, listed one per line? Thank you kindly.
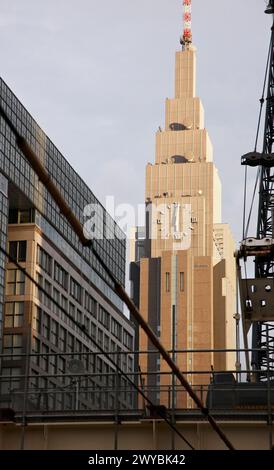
(36, 350)
(116, 329)
(85, 360)
(93, 330)
(127, 340)
(36, 345)
(72, 310)
(106, 343)
(90, 304)
(51, 396)
(47, 300)
(39, 279)
(91, 361)
(79, 317)
(37, 319)
(18, 250)
(44, 260)
(52, 364)
(99, 365)
(46, 326)
(34, 379)
(60, 276)
(78, 349)
(43, 385)
(54, 332)
(75, 290)
(14, 314)
(62, 338)
(64, 303)
(70, 316)
(86, 323)
(45, 359)
(130, 364)
(56, 298)
(10, 379)
(100, 337)
(13, 216)
(111, 379)
(19, 216)
(61, 365)
(15, 282)
(182, 282)
(25, 216)
(13, 344)
(104, 317)
(70, 343)
(167, 282)
(123, 361)
(118, 356)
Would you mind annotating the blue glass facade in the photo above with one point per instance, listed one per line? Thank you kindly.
(77, 311)
(77, 194)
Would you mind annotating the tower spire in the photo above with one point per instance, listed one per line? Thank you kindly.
(186, 38)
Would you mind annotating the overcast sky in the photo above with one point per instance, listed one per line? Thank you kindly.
(95, 75)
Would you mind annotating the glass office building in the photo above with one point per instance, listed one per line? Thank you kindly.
(39, 237)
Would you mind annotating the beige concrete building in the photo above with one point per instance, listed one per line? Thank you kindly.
(184, 282)
(35, 326)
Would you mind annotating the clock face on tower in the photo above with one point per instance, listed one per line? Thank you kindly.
(175, 221)
(181, 226)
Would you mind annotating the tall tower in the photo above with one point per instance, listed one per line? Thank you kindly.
(184, 282)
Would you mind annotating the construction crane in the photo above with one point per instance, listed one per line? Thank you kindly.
(257, 294)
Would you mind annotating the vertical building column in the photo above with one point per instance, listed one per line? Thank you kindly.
(3, 242)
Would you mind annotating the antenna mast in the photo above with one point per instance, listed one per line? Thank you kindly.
(186, 38)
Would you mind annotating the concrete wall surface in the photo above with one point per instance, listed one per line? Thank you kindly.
(139, 435)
